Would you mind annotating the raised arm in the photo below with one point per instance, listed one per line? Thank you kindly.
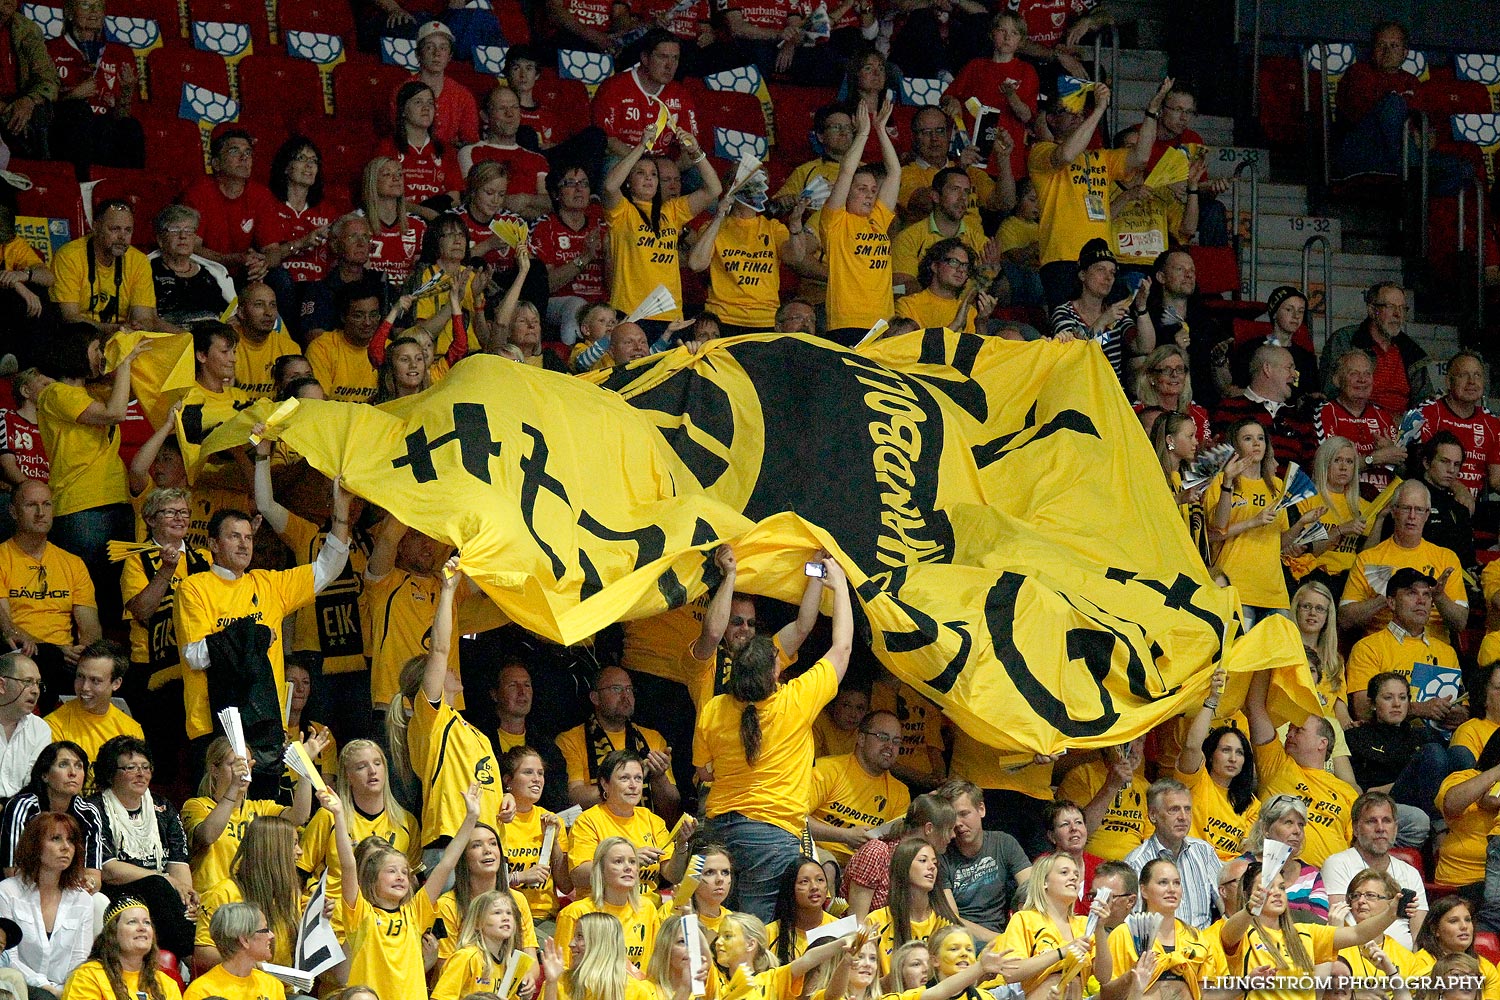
(388, 535)
(1141, 154)
(438, 879)
(716, 617)
(702, 254)
(1190, 757)
(843, 617)
(349, 886)
(795, 633)
(1073, 146)
(275, 514)
(107, 414)
(890, 184)
(507, 309)
(435, 674)
(140, 466)
(712, 187)
(1262, 729)
(614, 181)
(839, 196)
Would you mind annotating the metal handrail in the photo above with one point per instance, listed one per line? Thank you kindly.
(1463, 242)
(1234, 214)
(1325, 122)
(1114, 69)
(1327, 249)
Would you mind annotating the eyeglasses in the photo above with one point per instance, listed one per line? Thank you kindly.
(577, 182)
(306, 158)
(236, 151)
(839, 129)
(1369, 897)
(1389, 305)
(884, 739)
(26, 682)
(617, 689)
(737, 621)
(135, 768)
(956, 262)
(929, 131)
(175, 512)
(181, 230)
(1170, 370)
(1308, 606)
(1409, 509)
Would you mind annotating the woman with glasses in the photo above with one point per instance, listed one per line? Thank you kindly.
(1284, 818)
(1371, 891)
(144, 838)
(570, 242)
(622, 782)
(57, 780)
(297, 230)
(1166, 381)
(944, 275)
(188, 287)
(244, 940)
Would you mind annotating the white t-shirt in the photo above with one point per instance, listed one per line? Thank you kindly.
(18, 753)
(1340, 868)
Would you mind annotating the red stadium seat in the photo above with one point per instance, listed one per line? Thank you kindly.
(281, 85)
(1283, 122)
(165, 12)
(568, 98)
(513, 23)
(174, 148)
(479, 82)
(251, 12)
(54, 192)
(1218, 269)
(795, 107)
(1413, 857)
(330, 18)
(1487, 945)
(176, 63)
(346, 148)
(728, 109)
(1442, 97)
(146, 192)
(363, 91)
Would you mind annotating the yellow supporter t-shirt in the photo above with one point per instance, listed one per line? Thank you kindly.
(981, 764)
(845, 795)
(921, 723)
(1031, 934)
(71, 721)
(203, 410)
(799, 936)
(1251, 559)
(470, 970)
(1141, 224)
(153, 642)
(331, 625)
(1473, 735)
(400, 607)
(523, 849)
(449, 754)
(1430, 559)
(777, 787)
(798, 179)
(342, 368)
(206, 603)
(211, 866)
(886, 922)
(640, 924)
(1266, 946)
(1461, 856)
(1214, 818)
(1329, 800)
(17, 255)
(929, 309)
(219, 982)
(446, 913)
(913, 242)
(1385, 651)
(1487, 971)
(706, 678)
(1125, 826)
(113, 290)
(320, 851)
(644, 258)
(228, 891)
(1075, 197)
(253, 362)
(744, 271)
(916, 176)
(858, 249)
(43, 592)
(829, 740)
(1192, 959)
(778, 983)
(85, 471)
(385, 947)
(1364, 968)
(573, 745)
(643, 828)
(90, 982)
(1015, 233)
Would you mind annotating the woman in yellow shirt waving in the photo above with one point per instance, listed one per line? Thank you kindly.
(855, 224)
(1048, 938)
(743, 957)
(597, 968)
(481, 869)
(1252, 942)
(917, 905)
(1218, 767)
(645, 228)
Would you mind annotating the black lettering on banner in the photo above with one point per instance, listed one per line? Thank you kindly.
(310, 919)
(650, 543)
(1135, 669)
(925, 634)
(471, 429)
(1177, 597)
(535, 477)
(967, 394)
(990, 452)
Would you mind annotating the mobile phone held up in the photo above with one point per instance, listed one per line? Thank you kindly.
(816, 569)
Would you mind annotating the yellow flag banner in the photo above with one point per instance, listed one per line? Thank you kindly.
(1013, 556)
(160, 376)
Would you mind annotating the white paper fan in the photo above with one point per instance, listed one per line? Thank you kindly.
(658, 301)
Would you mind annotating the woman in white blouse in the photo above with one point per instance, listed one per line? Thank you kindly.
(48, 900)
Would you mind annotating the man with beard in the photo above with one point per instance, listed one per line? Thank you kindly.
(608, 729)
(854, 793)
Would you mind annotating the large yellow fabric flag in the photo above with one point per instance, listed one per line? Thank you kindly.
(1015, 555)
(160, 376)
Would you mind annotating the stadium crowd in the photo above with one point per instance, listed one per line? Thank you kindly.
(506, 818)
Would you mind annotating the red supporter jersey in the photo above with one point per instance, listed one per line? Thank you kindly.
(427, 173)
(1363, 87)
(229, 225)
(545, 123)
(554, 244)
(1333, 419)
(283, 224)
(505, 256)
(982, 78)
(1479, 434)
(592, 13)
(1047, 20)
(392, 253)
(528, 169)
(623, 110)
(687, 23)
(115, 62)
(768, 14)
(21, 438)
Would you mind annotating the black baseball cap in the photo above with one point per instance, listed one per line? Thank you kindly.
(1406, 577)
(1093, 252)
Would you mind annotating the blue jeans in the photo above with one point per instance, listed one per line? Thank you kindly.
(1372, 145)
(761, 853)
